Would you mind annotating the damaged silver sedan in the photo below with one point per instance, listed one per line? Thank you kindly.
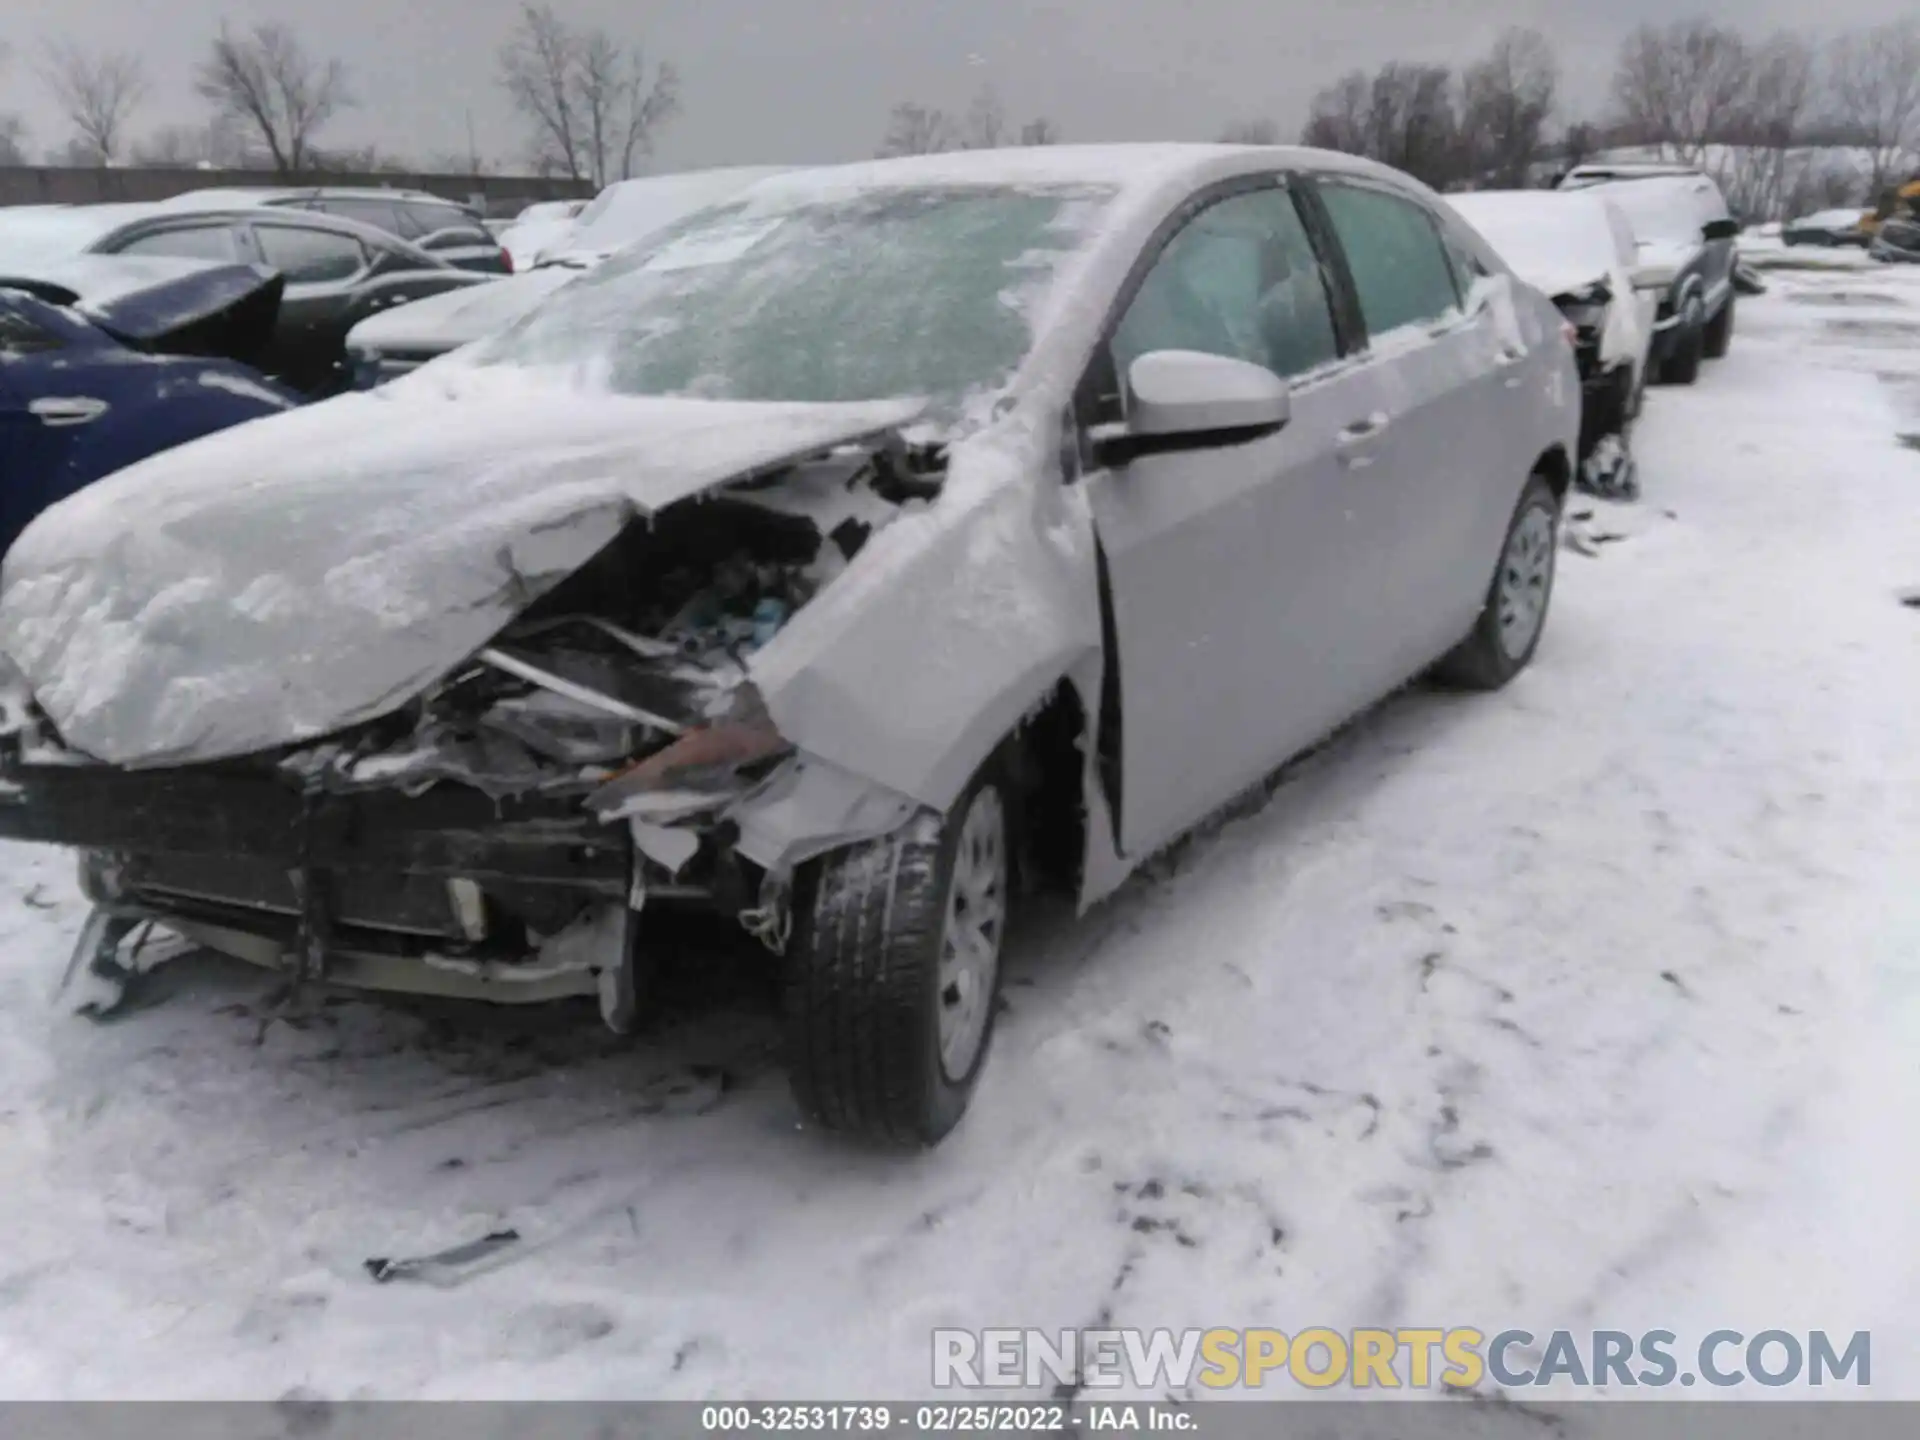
(848, 560)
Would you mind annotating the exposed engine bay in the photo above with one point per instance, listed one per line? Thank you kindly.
(503, 828)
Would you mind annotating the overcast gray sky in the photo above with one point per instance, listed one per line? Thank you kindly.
(800, 80)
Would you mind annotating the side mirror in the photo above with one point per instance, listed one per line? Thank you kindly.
(1188, 400)
(1720, 229)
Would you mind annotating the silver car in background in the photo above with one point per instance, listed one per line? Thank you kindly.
(847, 561)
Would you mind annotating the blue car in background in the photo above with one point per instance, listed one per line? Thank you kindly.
(107, 359)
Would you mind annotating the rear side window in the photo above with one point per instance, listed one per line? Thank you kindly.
(381, 214)
(1399, 266)
(310, 257)
(422, 217)
(199, 242)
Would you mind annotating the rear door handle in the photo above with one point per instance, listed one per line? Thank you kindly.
(67, 409)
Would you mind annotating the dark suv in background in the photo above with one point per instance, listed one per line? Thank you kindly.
(443, 228)
(1685, 237)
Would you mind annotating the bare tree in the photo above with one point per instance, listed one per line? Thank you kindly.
(1251, 132)
(985, 126)
(1578, 143)
(592, 105)
(1337, 117)
(264, 80)
(1412, 123)
(13, 130)
(1681, 87)
(174, 145)
(916, 129)
(1782, 89)
(97, 93)
(1506, 99)
(1875, 77)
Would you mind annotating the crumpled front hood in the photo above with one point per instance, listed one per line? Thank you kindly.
(284, 579)
(457, 317)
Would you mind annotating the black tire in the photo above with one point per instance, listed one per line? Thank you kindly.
(1717, 338)
(1682, 367)
(863, 989)
(1483, 661)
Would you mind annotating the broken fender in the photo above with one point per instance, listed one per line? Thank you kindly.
(954, 623)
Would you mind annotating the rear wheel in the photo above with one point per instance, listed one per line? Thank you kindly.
(1503, 639)
(1718, 337)
(894, 972)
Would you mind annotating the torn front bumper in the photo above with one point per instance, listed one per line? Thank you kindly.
(447, 892)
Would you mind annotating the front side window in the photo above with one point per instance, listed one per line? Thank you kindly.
(1240, 280)
(199, 242)
(310, 257)
(20, 336)
(1399, 267)
(860, 295)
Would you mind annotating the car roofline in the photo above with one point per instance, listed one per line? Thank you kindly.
(359, 230)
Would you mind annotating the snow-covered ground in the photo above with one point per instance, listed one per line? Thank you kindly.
(1595, 1003)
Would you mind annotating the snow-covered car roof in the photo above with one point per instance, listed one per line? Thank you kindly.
(1131, 168)
(31, 236)
(1556, 240)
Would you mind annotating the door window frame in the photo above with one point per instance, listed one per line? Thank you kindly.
(1439, 324)
(1099, 396)
(366, 265)
(235, 232)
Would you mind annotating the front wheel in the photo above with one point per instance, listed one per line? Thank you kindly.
(1718, 336)
(1503, 639)
(894, 971)
(1682, 365)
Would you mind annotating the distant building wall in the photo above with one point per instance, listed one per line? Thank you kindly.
(83, 185)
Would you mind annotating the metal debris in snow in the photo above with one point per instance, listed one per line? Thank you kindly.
(442, 1265)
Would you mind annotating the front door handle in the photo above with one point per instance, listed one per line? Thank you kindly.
(67, 409)
(1357, 437)
(1510, 357)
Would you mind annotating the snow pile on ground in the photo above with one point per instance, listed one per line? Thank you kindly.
(1590, 1004)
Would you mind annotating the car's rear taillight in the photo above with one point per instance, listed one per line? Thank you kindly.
(506, 258)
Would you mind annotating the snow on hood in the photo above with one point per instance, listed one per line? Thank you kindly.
(281, 580)
(1559, 242)
(457, 317)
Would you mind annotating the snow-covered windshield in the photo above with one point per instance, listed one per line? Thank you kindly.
(863, 295)
(31, 237)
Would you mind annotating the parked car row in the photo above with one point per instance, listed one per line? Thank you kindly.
(853, 554)
(337, 271)
(623, 214)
